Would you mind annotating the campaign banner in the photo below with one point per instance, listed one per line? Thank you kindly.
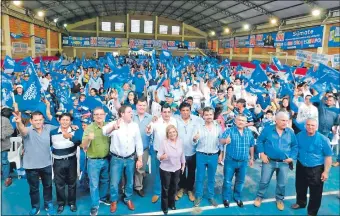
(182, 45)
(93, 41)
(304, 38)
(40, 45)
(241, 42)
(266, 39)
(279, 39)
(67, 41)
(336, 61)
(80, 41)
(228, 43)
(18, 47)
(172, 45)
(106, 42)
(334, 36)
(192, 45)
(312, 57)
(251, 41)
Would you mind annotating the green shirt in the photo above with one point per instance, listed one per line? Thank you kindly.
(99, 147)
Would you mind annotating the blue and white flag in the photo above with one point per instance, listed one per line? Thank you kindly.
(6, 90)
(277, 63)
(239, 68)
(259, 75)
(255, 89)
(9, 63)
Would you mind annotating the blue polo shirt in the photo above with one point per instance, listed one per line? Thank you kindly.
(275, 146)
(139, 84)
(313, 149)
(245, 112)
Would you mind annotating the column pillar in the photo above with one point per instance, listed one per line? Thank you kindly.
(231, 53)
(325, 36)
(97, 26)
(6, 33)
(32, 40)
(182, 31)
(156, 27)
(127, 25)
(250, 54)
(74, 52)
(48, 42)
(60, 49)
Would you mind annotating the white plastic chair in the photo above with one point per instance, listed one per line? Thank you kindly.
(149, 164)
(335, 142)
(14, 152)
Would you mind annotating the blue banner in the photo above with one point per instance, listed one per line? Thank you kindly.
(334, 36)
(228, 43)
(266, 39)
(302, 39)
(241, 42)
(106, 42)
(80, 41)
(182, 44)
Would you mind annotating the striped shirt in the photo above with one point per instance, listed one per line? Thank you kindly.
(209, 140)
(61, 147)
(245, 112)
(239, 146)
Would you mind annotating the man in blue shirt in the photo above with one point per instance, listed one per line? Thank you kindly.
(277, 146)
(139, 83)
(241, 108)
(240, 143)
(143, 119)
(313, 164)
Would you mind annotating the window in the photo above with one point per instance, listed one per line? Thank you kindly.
(119, 27)
(135, 26)
(106, 26)
(163, 29)
(148, 26)
(175, 30)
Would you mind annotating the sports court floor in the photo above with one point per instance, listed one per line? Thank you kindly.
(15, 199)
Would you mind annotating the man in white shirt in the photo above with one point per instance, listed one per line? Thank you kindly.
(126, 142)
(95, 82)
(196, 94)
(45, 82)
(158, 129)
(307, 110)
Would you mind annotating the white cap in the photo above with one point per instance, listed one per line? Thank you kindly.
(19, 86)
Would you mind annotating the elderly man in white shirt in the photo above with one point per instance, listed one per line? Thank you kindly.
(306, 110)
(126, 144)
(158, 129)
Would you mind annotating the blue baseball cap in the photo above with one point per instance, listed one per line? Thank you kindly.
(170, 95)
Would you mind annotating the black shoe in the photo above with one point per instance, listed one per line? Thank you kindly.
(239, 203)
(226, 203)
(94, 211)
(60, 209)
(105, 202)
(172, 207)
(73, 208)
(140, 192)
(165, 212)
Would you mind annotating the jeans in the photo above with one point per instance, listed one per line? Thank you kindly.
(187, 181)
(238, 168)
(33, 181)
(267, 171)
(65, 173)
(169, 187)
(117, 166)
(98, 172)
(155, 174)
(203, 161)
(338, 158)
(5, 165)
(309, 177)
(140, 173)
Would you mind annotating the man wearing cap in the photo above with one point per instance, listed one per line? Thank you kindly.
(241, 108)
(24, 82)
(169, 99)
(178, 92)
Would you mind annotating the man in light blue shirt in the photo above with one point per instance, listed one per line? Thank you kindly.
(278, 147)
(207, 140)
(312, 168)
(143, 119)
(187, 125)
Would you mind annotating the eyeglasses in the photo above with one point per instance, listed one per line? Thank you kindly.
(99, 114)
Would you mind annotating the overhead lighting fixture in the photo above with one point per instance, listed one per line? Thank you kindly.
(316, 12)
(273, 21)
(65, 25)
(226, 30)
(55, 20)
(212, 33)
(17, 3)
(40, 13)
(246, 26)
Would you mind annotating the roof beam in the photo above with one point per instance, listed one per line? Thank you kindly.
(174, 9)
(81, 8)
(46, 6)
(180, 16)
(154, 9)
(145, 6)
(159, 14)
(94, 8)
(255, 7)
(204, 9)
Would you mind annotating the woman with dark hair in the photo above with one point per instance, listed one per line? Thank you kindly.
(285, 106)
(131, 100)
(18, 94)
(218, 115)
(53, 99)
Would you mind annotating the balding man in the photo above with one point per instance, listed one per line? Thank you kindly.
(312, 168)
(278, 147)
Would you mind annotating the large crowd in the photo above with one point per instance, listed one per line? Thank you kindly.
(187, 114)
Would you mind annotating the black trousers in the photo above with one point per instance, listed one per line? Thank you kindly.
(169, 182)
(309, 177)
(65, 173)
(187, 181)
(33, 181)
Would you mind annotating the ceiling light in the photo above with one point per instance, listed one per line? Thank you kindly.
(273, 21)
(316, 12)
(17, 3)
(40, 13)
(212, 33)
(246, 26)
(65, 25)
(226, 30)
(55, 20)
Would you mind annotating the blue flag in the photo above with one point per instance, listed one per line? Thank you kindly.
(327, 75)
(259, 75)
(42, 66)
(289, 71)
(6, 90)
(255, 89)
(226, 61)
(239, 68)
(270, 70)
(161, 82)
(277, 63)
(9, 63)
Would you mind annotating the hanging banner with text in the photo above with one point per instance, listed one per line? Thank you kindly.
(336, 61)
(334, 36)
(266, 39)
(40, 45)
(304, 38)
(312, 57)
